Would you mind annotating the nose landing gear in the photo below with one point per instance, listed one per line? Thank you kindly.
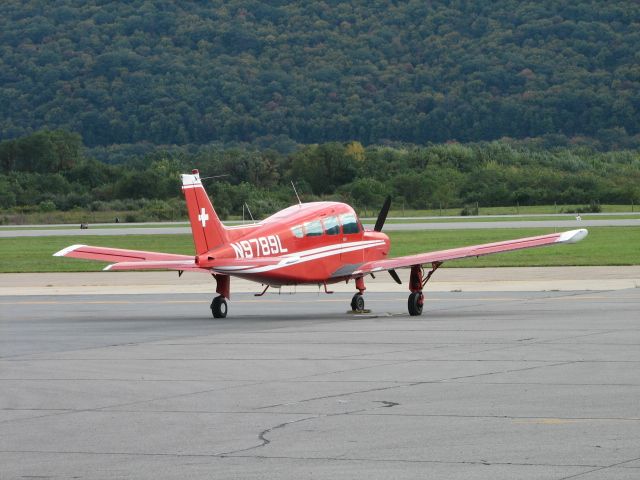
(357, 302)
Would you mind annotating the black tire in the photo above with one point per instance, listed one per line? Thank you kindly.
(219, 307)
(357, 303)
(415, 304)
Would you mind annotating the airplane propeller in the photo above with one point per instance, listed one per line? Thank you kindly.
(382, 216)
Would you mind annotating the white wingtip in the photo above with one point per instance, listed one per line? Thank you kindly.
(66, 251)
(573, 236)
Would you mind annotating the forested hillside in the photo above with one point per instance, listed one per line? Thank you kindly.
(312, 71)
(48, 171)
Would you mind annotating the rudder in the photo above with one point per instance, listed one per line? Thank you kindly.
(208, 231)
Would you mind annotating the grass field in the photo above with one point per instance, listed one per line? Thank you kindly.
(603, 246)
(536, 218)
(73, 217)
(511, 210)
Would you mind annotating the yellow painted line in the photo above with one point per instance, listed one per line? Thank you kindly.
(581, 297)
(55, 302)
(258, 300)
(319, 300)
(546, 421)
(565, 421)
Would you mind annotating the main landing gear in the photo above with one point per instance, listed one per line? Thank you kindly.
(417, 281)
(415, 303)
(357, 302)
(219, 306)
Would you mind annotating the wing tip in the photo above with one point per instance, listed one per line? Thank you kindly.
(573, 236)
(66, 251)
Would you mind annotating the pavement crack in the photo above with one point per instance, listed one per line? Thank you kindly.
(512, 370)
(387, 404)
(618, 464)
(264, 441)
(335, 395)
(262, 436)
(411, 384)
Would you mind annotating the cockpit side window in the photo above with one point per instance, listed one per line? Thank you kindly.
(349, 223)
(331, 226)
(313, 228)
(297, 231)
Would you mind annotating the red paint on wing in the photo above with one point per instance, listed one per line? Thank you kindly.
(462, 252)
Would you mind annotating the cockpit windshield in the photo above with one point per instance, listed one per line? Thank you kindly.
(349, 223)
(328, 226)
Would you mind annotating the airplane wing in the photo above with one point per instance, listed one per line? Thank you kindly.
(572, 236)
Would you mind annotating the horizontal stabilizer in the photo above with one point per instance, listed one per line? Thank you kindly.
(180, 265)
(106, 254)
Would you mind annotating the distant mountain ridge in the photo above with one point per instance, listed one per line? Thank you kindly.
(314, 71)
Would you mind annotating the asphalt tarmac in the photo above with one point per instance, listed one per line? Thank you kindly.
(169, 230)
(491, 385)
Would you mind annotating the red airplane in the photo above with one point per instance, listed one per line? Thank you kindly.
(310, 243)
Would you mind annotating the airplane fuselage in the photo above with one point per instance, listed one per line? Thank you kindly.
(321, 242)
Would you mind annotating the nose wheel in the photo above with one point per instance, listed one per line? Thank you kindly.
(357, 303)
(219, 307)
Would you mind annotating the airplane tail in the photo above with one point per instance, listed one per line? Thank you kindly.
(208, 231)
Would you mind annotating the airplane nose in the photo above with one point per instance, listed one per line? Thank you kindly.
(373, 235)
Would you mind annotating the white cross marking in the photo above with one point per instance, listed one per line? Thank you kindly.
(203, 217)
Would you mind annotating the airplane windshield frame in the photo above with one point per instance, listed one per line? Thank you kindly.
(349, 223)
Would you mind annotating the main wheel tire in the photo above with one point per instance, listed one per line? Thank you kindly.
(219, 307)
(357, 303)
(416, 300)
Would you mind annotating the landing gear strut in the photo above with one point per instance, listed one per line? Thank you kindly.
(416, 284)
(357, 302)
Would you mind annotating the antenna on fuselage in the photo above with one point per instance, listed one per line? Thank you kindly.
(296, 192)
(243, 206)
(215, 176)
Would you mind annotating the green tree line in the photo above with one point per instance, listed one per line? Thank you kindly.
(319, 71)
(50, 170)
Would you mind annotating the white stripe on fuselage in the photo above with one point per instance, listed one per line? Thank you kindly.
(304, 256)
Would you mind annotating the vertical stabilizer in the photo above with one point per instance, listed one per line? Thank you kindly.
(208, 231)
